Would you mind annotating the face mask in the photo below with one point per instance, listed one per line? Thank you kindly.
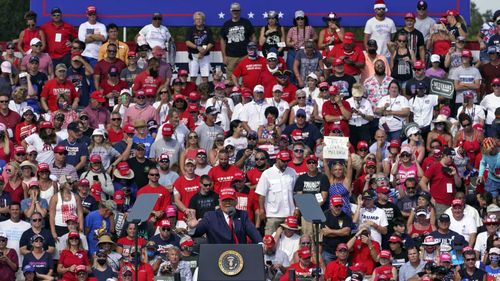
(372, 51)
(101, 261)
(493, 258)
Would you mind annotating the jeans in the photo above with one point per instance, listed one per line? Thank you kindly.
(492, 187)
(328, 257)
(290, 58)
(396, 135)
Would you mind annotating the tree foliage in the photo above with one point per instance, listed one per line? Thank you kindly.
(12, 18)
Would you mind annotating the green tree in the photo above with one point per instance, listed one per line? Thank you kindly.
(12, 18)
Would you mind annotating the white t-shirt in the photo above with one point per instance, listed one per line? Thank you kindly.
(253, 114)
(45, 151)
(465, 226)
(364, 106)
(490, 103)
(422, 108)
(279, 257)
(237, 112)
(239, 143)
(282, 106)
(92, 48)
(381, 32)
(465, 75)
(480, 245)
(476, 113)
(377, 216)
(14, 232)
(223, 116)
(424, 26)
(155, 36)
(289, 245)
(395, 123)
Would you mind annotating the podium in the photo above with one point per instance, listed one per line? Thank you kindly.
(221, 262)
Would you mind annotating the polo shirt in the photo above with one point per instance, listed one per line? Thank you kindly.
(277, 188)
(57, 37)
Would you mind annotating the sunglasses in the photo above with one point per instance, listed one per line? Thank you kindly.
(166, 229)
(116, 119)
(36, 220)
(495, 85)
(472, 259)
(3, 240)
(157, 18)
(193, 137)
(305, 243)
(154, 175)
(401, 41)
(38, 240)
(206, 184)
(312, 162)
(201, 156)
(301, 116)
(466, 125)
(405, 155)
(299, 18)
(301, 98)
(21, 154)
(141, 97)
(56, 15)
(84, 118)
(4, 101)
(298, 150)
(272, 60)
(74, 238)
(111, 51)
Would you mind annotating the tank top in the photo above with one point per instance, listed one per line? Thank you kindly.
(420, 232)
(28, 35)
(272, 40)
(328, 36)
(406, 172)
(64, 209)
(402, 69)
(47, 194)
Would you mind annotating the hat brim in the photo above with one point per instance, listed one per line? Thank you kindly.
(430, 243)
(128, 176)
(326, 19)
(291, 228)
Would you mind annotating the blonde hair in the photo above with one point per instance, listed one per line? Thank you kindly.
(358, 89)
(199, 13)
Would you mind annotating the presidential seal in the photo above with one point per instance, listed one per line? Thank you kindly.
(231, 263)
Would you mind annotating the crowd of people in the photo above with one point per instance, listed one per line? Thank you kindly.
(89, 123)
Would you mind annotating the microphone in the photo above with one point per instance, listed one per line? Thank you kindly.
(231, 211)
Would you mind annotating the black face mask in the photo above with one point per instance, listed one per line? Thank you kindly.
(102, 261)
(260, 167)
(372, 51)
(153, 73)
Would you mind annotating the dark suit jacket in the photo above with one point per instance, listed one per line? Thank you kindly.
(214, 225)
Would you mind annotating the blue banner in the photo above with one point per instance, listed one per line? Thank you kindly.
(179, 12)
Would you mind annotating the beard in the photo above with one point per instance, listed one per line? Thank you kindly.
(379, 72)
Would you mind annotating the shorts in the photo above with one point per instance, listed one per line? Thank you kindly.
(201, 66)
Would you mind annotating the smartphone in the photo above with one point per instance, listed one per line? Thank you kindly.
(96, 178)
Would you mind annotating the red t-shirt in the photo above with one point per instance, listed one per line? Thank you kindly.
(187, 119)
(16, 195)
(127, 244)
(289, 92)
(222, 178)
(299, 271)
(361, 254)
(54, 88)
(428, 161)
(268, 80)
(164, 199)
(300, 169)
(356, 55)
(442, 186)
(146, 272)
(383, 269)
(24, 130)
(187, 189)
(253, 176)
(58, 37)
(248, 202)
(115, 136)
(10, 120)
(103, 66)
(144, 81)
(332, 109)
(108, 88)
(335, 271)
(67, 259)
(188, 88)
(250, 71)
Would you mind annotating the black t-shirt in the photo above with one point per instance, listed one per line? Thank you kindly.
(104, 275)
(310, 134)
(478, 275)
(415, 40)
(407, 203)
(140, 170)
(199, 38)
(41, 265)
(79, 79)
(411, 85)
(204, 203)
(494, 40)
(313, 185)
(90, 203)
(399, 259)
(453, 30)
(391, 211)
(344, 84)
(335, 222)
(38, 80)
(237, 35)
(26, 236)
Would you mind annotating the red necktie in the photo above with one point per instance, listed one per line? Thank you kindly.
(231, 228)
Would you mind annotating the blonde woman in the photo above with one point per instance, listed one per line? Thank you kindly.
(63, 205)
(162, 104)
(100, 145)
(199, 50)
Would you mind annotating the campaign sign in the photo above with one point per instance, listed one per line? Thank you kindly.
(335, 147)
(442, 87)
(180, 12)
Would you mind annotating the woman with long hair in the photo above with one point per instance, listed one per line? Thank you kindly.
(402, 60)
(99, 145)
(6, 146)
(340, 178)
(28, 175)
(474, 111)
(469, 137)
(43, 141)
(419, 223)
(30, 32)
(441, 132)
(440, 41)
(269, 134)
(14, 182)
(70, 115)
(40, 259)
(406, 166)
(213, 154)
(331, 35)
(10, 56)
(236, 135)
(297, 36)
(126, 242)
(72, 256)
(48, 187)
(416, 143)
(190, 149)
(27, 126)
(63, 204)
(272, 34)
(162, 103)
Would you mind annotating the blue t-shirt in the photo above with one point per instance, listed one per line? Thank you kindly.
(75, 151)
(97, 225)
(26, 203)
(147, 141)
(41, 265)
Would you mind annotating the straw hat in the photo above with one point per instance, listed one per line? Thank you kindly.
(27, 163)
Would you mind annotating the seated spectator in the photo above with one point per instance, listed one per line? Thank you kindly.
(386, 271)
(106, 245)
(174, 265)
(101, 269)
(167, 238)
(304, 267)
(413, 266)
(37, 228)
(364, 250)
(276, 260)
(435, 70)
(34, 203)
(127, 242)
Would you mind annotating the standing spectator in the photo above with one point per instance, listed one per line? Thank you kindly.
(370, 216)
(185, 187)
(362, 115)
(43, 142)
(101, 69)
(336, 230)
(8, 118)
(236, 34)
(466, 78)
(80, 73)
(208, 131)
(164, 199)
(312, 182)
(206, 199)
(394, 109)
(455, 24)
(123, 50)
(224, 105)
(336, 112)
(337, 270)
(150, 78)
(413, 266)
(60, 167)
(156, 34)
(140, 165)
(469, 269)
(371, 57)
(402, 59)
(29, 33)
(353, 58)
(249, 68)
(13, 230)
(73, 256)
(59, 35)
(380, 28)
(56, 87)
(130, 73)
(93, 33)
(36, 228)
(39, 258)
(200, 41)
(340, 78)
(45, 64)
(307, 60)
(490, 103)
(330, 36)
(10, 261)
(272, 34)
(423, 22)
(297, 36)
(62, 205)
(98, 222)
(365, 251)
(441, 176)
(253, 112)
(275, 188)
(490, 158)
(141, 110)
(76, 147)
(37, 78)
(376, 87)
(422, 107)
(414, 38)
(489, 71)
(223, 173)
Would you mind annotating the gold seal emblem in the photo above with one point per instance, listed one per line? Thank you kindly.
(231, 263)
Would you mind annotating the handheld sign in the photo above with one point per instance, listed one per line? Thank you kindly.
(336, 148)
(442, 87)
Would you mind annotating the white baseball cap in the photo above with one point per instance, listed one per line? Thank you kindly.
(435, 58)
(258, 88)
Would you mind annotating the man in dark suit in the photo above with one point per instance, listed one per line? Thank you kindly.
(225, 225)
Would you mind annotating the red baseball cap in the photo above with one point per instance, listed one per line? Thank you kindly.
(359, 267)
(179, 96)
(296, 134)
(94, 158)
(131, 54)
(182, 72)
(91, 9)
(383, 189)
(348, 38)
(123, 168)
(283, 155)
(384, 254)
(419, 65)
(342, 246)
(73, 234)
(19, 149)
(495, 81)
(334, 90)
(395, 239)
(227, 193)
(323, 85)
(466, 53)
(445, 257)
(187, 242)
(193, 107)
(362, 144)
(119, 197)
(72, 217)
(304, 253)
(96, 191)
(409, 15)
(165, 223)
(60, 148)
(194, 96)
(167, 130)
(336, 200)
(395, 143)
(337, 61)
(46, 125)
(291, 222)
(311, 157)
(128, 129)
(268, 240)
(238, 176)
(83, 182)
(370, 163)
(452, 12)
(171, 211)
(43, 167)
(456, 202)
(98, 96)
